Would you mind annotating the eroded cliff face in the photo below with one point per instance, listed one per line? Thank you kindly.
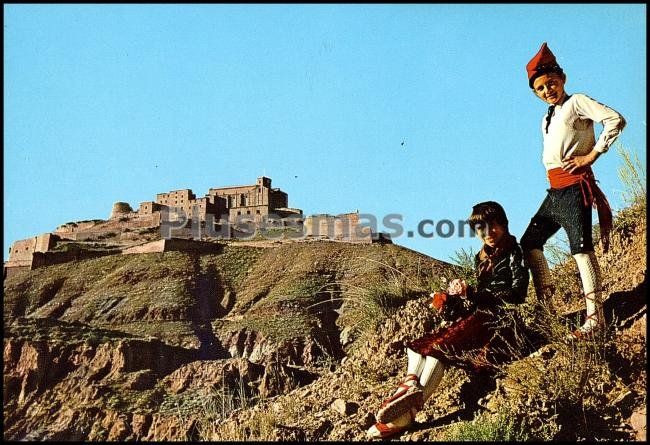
(133, 348)
(59, 390)
(78, 391)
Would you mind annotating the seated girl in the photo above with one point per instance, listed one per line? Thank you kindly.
(478, 336)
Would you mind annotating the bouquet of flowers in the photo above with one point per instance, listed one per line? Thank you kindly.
(453, 303)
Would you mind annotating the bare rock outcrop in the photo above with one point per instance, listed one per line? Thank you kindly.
(56, 391)
(259, 348)
(212, 374)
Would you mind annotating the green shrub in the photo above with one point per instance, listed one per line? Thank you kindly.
(93, 339)
(502, 427)
(464, 259)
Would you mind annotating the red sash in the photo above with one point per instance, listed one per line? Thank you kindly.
(591, 195)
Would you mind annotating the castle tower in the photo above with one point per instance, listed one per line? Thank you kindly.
(263, 181)
(120, 209)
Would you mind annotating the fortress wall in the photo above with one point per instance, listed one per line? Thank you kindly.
(233, 216)
(82, 236)
(250, 192)
(277, 199)
(22, 250)
(175, 244)
(154, 246)
(343, 227)
(148, 207)
(85, 226)
(76, 227)
(41, 259)
(141, 221)
(115, 225)
(223, 191)
(11, 270)
(46, 242)
(137, 220)
(175, 197)
(125, 215)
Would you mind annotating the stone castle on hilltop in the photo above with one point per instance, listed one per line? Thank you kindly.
(226, 203)
(224, 206)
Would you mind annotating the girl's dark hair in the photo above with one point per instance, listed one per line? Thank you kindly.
(488, 212)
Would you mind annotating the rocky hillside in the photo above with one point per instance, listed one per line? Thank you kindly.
(594, 390)
(116, 347)
(302, 341)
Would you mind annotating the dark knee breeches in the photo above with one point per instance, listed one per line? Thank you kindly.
(562, 208)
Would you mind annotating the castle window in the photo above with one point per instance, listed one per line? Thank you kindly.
(243, 200)
(248, 212)
(257, 211)
(238, 213)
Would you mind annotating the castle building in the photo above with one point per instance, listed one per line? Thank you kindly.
(183, 200)
(254, 201)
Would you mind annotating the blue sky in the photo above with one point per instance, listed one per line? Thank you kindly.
(420, 110)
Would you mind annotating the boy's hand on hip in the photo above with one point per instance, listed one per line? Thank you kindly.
(576, 164)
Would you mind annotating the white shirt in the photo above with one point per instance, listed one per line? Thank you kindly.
(571, 131)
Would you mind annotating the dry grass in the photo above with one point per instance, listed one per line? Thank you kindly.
(633, 176)
(275, 326)
(220, 421)
(365, 307)
(261, 427)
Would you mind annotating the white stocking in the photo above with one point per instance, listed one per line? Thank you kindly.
(415, 362)
(431, 375)
(591, 286)
(415, 365)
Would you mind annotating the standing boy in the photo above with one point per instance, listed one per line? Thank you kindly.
(570, 148)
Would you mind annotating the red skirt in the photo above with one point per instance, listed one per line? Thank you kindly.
(467, 343)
